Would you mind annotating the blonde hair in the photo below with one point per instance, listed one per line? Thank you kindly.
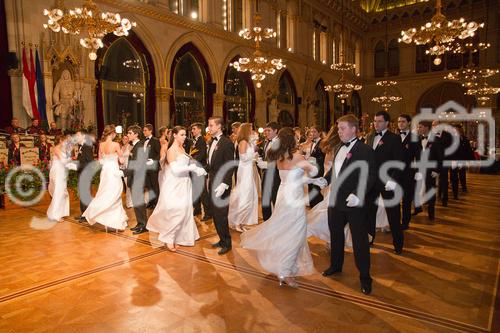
(108, 130)
(244, 132)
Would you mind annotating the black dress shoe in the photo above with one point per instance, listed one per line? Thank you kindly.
(218, 244)
(331, 271)
(206, 218)
(405, 226)
(417, 211)
(135, 228)
(366, 288)
(140, 231)
(224, 250)
(398, 251)
(445, 203)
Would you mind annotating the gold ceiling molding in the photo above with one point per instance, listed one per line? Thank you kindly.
(164, 15)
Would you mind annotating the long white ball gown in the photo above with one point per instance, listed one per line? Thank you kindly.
(172, 217)
(106, 207)
(280, 243)
(58, 190)
(244, 199)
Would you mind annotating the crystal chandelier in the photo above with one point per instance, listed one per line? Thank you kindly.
(482, 92)
(259, 66)
(87, 20)
(439, 33)
(343, 87)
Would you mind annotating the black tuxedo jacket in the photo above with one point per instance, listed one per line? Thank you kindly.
(410, 151)
(153, 148)
(85, 156)
(436, 154)
(201, 151)
(389, 148)
(359, 152)
(318, 154)
(223, 153)
(136, 157)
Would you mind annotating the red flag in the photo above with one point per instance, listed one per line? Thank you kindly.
(32, 87)
(26, 86)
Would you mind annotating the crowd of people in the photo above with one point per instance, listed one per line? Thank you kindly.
(226, 178)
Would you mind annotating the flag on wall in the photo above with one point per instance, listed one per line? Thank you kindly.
(40, 87)
(33, 89)
(26, 90)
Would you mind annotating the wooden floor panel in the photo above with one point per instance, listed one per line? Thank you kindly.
(71, 277)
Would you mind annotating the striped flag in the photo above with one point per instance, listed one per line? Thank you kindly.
(33, 89)
(29, 82)
(40, 85)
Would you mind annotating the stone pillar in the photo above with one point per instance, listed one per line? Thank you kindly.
(162, 116)
(211, 12)
(218, 103)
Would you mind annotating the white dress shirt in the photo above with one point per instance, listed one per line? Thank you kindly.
(377, 139)
(146, 142)
(212, 148)
(341, 156)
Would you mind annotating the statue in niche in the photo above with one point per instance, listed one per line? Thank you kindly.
(64, 100)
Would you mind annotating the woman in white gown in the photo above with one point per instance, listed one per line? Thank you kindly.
(172, 217)
(58, 175)
(244, 199)
(106, 207)
(280, 243)
(317, 217)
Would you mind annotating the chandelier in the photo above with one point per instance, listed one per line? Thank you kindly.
(343, 87)
(87, 20)
(482, 92)
(259, 66)
(439, 33)
(386, 100)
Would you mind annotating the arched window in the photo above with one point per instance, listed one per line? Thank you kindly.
(422, 59)
(393, 58)
(239, 102)
(123, 79)
(379, 59)
(287, 105)
(338, 107)
(356, 104)
(192, 99)
(322, 109)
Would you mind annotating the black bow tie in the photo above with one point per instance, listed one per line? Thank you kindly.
(378, 133)
(403, 132)
(424, 137)
(131, 143)
(215, 139)
(348, 143)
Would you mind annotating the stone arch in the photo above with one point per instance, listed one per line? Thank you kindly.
(443, 92)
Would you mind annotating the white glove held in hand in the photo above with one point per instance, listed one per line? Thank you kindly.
(262, 164)
(434, 174)
(120, 173)
(352, 200)
(200, 172)
(71, 166)
(150, 162)
(390, 185)
(219, 191)
(418, 176)
(320, 182)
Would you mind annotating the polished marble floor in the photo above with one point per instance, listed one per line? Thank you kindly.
(70, 277)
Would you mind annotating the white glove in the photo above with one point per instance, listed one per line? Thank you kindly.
(120, 173)
(434, 174)
(219, 190)
(418, 176)
(320, 182)
(71, 166)
(460, 165)
(313, 172)
(262, 164)
(454, 164)
(390, 185)
(150, 162)
(200, 171)
(352, 200)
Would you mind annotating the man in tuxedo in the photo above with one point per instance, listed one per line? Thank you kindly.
(430, 148)
(315, 195)
(199, 154)
(136, 173)
(84, 156)
(220, 153)
(445, 141)
(388, 148)
(235, 127)
(347, 199)
(464, 153)
(410, 149)
(270, 175)
(151, 146)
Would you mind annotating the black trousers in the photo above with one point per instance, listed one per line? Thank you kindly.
(408, 185)
(357, 220)
(140, 210)
(462, 175)
(443, 185)
(200, 195)
(219, 215)
(430, 184)
(454, 182)
(315, 195)
(83, 206)
(393, 216)
(270, 186)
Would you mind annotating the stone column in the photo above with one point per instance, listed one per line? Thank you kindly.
(218, 103)
(162, 116)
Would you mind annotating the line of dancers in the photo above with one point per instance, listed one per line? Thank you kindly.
(175, 180)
